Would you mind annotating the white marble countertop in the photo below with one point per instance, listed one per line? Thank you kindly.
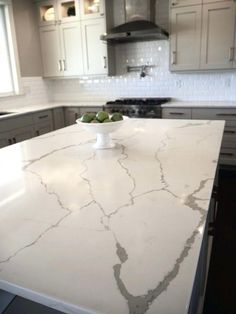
(108, 231)
(200, 104)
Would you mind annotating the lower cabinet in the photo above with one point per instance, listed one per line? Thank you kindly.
(58, 118)
(5, 139)
(71, 115)
(22, 134)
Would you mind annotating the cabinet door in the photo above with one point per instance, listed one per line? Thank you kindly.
(50, 47)
(91, 9)
(43, 128)
(94, 50)
(47, 12)
(58, 118)
(72, 53)
(185, 38)
(22, 134)
(71, 115)
(68, 10)
(182, 3)
(5, 139)
(218, 35)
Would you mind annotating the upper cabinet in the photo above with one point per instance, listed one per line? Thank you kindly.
(184, 3)
(185, 37)
(91, 9)
(199, 41)
(70, 37)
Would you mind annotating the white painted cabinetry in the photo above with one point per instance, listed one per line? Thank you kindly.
(95, 50)
(185, 37)
(218, 31)
(203, 35)
(70, 40)
(182, 3)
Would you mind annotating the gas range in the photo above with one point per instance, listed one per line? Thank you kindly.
(137, 107)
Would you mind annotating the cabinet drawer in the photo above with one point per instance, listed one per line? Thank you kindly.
(42, 116)
(14, 123)
(229, 138)
(182, 3)
(214, 114)
(228, 156)
(176, 113)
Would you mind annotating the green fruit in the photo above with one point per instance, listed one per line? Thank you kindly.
(116, 116)
(86, 118)
(102, 115)
(92, 115)
(107, 120)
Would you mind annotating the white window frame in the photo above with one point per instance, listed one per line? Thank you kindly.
(13, 51)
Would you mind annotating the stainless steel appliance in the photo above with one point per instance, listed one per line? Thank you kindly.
(137, 107)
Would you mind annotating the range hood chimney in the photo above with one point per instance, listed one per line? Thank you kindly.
(139, 25)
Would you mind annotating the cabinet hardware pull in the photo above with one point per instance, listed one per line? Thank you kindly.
(177, 113)
(9, 141)
(105, 62)
(226, 114)
(174, 3)
(14, 140)
(231, 54)
(229, 132)
(37, 133)
(64, 65)
(227, 154)
(173, 57)
(43, 117)
(60, 65)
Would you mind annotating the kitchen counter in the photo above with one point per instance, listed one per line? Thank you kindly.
(109, 231)
(51, 105)
(200, 104)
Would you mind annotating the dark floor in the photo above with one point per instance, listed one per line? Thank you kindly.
(221, 287)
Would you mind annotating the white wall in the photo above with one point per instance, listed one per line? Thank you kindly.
(160, 82)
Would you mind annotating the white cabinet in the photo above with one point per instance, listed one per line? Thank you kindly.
(51, 54)
(58, 118)
(91, 9)
(203, 36)
(181, 3)
(94, 50)
(218, 31)
(185, 38)
(71, 49)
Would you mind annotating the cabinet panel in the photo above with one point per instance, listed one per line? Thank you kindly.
(181, 3)
(58, 118)
(91, 9)
(176, 113)
(22, 134)
(43, 128)
(5, 139)
(42, 116)
(218, 35)
(50, 47)
(95, 50)
(185, 38)
(228, 156)
(68, 10)
(71, 115)
(72, 55)
(89, 109)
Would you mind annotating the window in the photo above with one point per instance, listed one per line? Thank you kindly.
(9, 83)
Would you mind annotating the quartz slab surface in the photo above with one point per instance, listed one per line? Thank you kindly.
(108, 231)
(200, 104)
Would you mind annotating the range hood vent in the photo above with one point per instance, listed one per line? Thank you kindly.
(139, 26)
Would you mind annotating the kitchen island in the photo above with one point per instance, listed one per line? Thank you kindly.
(108, 231)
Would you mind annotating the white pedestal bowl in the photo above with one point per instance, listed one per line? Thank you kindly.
(103, 130)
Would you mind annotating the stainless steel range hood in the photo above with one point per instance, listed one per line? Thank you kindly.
(139, 25)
